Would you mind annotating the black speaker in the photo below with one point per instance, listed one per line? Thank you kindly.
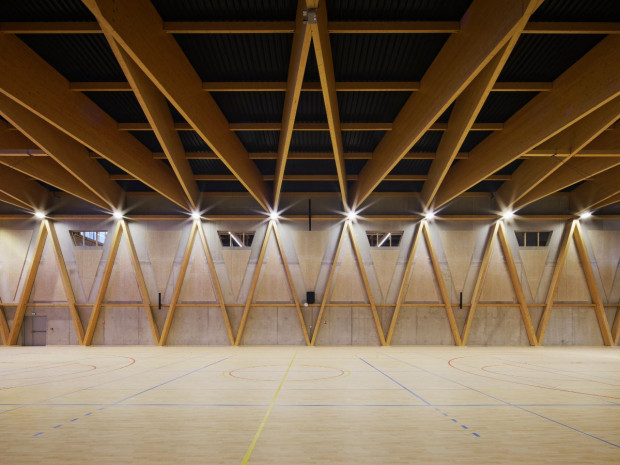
(310, 297)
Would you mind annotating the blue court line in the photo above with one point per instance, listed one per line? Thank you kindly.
(392, 379)
(57, 426)
(506, 402)
(38, 434)
(171, 380)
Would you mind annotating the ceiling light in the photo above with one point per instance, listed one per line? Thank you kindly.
(429, 215)
(117, 214)
(195, 215)
(585, 215)
(39, 214)
(352, 215)
(274, 215)
(508, 214)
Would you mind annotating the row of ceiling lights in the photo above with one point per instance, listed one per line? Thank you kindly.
(351, 215)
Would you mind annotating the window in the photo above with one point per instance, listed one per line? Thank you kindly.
(533, 238)
(236, 239)
(384, 239)
(88, 238)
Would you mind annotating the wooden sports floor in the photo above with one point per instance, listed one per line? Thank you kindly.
(288, 405)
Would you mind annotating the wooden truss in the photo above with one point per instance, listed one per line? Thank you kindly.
(573, 231)
(272, 226)
(121, 229)
(174, 302)
(347, 228)
(498, 230)
(46, 228)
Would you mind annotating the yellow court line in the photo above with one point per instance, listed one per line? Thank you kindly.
(246, 458)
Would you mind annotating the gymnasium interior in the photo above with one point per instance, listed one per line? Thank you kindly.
(309, 231)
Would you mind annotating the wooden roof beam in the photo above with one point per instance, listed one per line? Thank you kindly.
(566, 175)
(33, 83)
(160, 57)
(532, 172)
(488, 25)
(587, 85)
(50, 172)
(595, 191)
(72, 159)
(325, 64)
(288, 27)
(24, 190)
(464, 113)
(296, 69)
(236, 127)
(155, 107)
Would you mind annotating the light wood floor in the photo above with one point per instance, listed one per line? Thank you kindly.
(286, 405)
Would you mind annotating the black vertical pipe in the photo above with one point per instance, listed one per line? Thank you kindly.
(461, 300)
(159, 304)
(309, 214)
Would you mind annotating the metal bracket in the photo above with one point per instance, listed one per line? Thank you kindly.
(309, 16)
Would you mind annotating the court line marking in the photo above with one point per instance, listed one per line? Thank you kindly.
(428, 404)
(248, 453)
(505, 402)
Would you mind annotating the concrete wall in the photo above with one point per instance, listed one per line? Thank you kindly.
(347, 320)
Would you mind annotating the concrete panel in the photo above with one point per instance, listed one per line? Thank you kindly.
(12, 259)
(87, 260)
(198, 326)
(405, 331)
(198, 284)
(459, 249)
(432, 326)
(310, 247)
(335, 327)
(123, 285)
(422, 285)
(48, 282)
(533, 263)
(126, 326)
(272, 282)
(497, 326)
(572, 286)
(384, 262)
(347, 285)
(363, 328)
(236, 261)
(162, 247)
(497, 286)
(573, 326)
(261, 327)
(289, 327)
(606, 248)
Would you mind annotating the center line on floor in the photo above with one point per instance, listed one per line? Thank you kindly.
(248, 454)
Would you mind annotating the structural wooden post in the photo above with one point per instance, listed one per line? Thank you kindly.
(146, 301)
(516, 284)
(479, 281)
(291, 284)
(616, 328)
(178, 285)
(297, 66)
(248, 302)
(27, 288)
(4, 326)
(216, 283)
(66, 282)
(442, 287)
(315, 332)
(404, 284)
(555, 279)
(599, 309)
(107, 272)
(362, 270)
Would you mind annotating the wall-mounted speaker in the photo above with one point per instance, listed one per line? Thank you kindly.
(310, 297)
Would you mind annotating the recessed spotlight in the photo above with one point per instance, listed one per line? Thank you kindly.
(117, 214)
(352, 215)
(585, 215)
(508, 214)
(195, 215)
(429, 215)
(39, 214)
